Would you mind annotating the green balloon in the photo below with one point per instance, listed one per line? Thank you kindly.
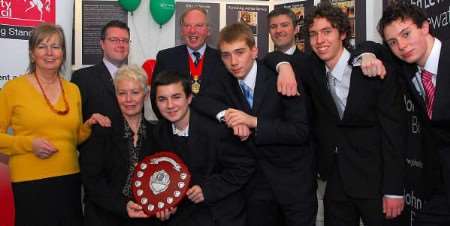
(162, 10)
(129, 5)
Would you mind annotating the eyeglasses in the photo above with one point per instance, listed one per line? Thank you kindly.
(119, 40)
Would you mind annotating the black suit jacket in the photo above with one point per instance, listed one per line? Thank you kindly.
(367, 142)
(281, 139)
(104, 163)
(176, 59)
(435, 133)
(218, 164)
(97, 91)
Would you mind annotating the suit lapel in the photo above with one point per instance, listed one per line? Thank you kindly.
(105, 78)
(208, 63)
(442, 93)
(321, 80)
(194, 142)
(236, 94)
(260, 87)
(184, 54)
(409, 73)
(355, 92)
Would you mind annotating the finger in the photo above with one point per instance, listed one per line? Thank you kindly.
(293, 91)
(279, 86)
(383, 73)
(48, 146)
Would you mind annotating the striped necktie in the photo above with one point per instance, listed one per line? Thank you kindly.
(248, 93)
(429, 91)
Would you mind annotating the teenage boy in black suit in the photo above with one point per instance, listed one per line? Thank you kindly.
(357, 124)
(422, 60)
(96, 82)
(273, 126)
(220, 166)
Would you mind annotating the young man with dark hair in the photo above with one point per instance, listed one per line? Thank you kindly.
(220, 166)
(422, 61)
(357, 125)
(96, 82)
(274, 127)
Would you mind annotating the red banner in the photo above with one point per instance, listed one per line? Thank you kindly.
(26, 13)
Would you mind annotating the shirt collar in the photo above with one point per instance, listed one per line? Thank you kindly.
(250, 78)
(181, 133)
(432, 62)
(111, 67)
(201, 51)
(342, 64)
(291, 50)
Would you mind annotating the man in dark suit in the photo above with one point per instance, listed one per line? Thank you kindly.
(357, 126)
(96, 82)
(220, 166)
(273, 126)
(422, 61)
(283, 29)
(195, 57)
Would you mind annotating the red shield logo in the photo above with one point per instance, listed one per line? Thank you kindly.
(26, 13)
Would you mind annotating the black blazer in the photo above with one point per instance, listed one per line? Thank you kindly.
(435, 133)
(97, 91)
(218, 164)
(281, 139)
(104, 163)
(367, 142)
(176, 59)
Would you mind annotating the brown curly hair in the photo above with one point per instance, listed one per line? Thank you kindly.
(335, 16)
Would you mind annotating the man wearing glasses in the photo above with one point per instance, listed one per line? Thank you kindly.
(195, 57)
(95, 82)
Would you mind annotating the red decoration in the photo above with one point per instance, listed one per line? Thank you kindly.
(149, 66)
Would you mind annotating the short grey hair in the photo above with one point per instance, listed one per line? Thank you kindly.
(131, 72)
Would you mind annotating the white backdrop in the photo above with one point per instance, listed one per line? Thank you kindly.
(14, 56)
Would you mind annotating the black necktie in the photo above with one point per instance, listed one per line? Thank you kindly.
(197, 57)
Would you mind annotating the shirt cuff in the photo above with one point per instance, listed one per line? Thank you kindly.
(278, 65)
(358, 60)
(394, 196)
(221, 116)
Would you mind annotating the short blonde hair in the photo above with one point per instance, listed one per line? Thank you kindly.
(131, 72)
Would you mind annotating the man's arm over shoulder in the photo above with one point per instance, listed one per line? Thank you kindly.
(292, 125)
(392, 116)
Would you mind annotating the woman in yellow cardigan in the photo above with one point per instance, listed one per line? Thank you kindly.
(44, 114)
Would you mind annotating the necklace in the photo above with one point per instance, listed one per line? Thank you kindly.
(66, 105)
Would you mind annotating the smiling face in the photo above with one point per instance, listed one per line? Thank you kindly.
(173, 104)
(407, 41)
(326, 41)
(48, 54)
(194, 29)
(238, 57)
(282, 32)
(130, 96)
(116, 45)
